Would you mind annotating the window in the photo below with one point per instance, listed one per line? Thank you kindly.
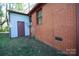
(39, 16)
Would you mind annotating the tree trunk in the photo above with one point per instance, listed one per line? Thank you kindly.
(0, 22)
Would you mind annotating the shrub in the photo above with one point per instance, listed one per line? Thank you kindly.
(5, 29)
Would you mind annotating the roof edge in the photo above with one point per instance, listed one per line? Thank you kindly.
(17, 12)
(35, 7)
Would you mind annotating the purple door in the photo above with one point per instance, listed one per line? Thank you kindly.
(21, 31)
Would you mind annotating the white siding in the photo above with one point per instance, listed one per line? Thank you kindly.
(14, 17)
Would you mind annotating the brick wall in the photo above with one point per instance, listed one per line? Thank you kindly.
(59, 20)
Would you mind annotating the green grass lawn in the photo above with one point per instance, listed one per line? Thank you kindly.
(25, 47)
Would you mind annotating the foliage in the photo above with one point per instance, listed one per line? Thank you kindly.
(6, 29)
(19, 6)
(1, 12)
(16, 6)
(1, 30)
(11, 6)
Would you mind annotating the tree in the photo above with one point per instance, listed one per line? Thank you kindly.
(11, 6)
(1, 15)
(19, 6)
(1, 12)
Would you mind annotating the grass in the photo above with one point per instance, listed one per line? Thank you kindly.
(25, 47)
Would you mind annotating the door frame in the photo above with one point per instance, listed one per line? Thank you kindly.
(77, 29)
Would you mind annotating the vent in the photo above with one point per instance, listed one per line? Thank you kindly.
(58, 38)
